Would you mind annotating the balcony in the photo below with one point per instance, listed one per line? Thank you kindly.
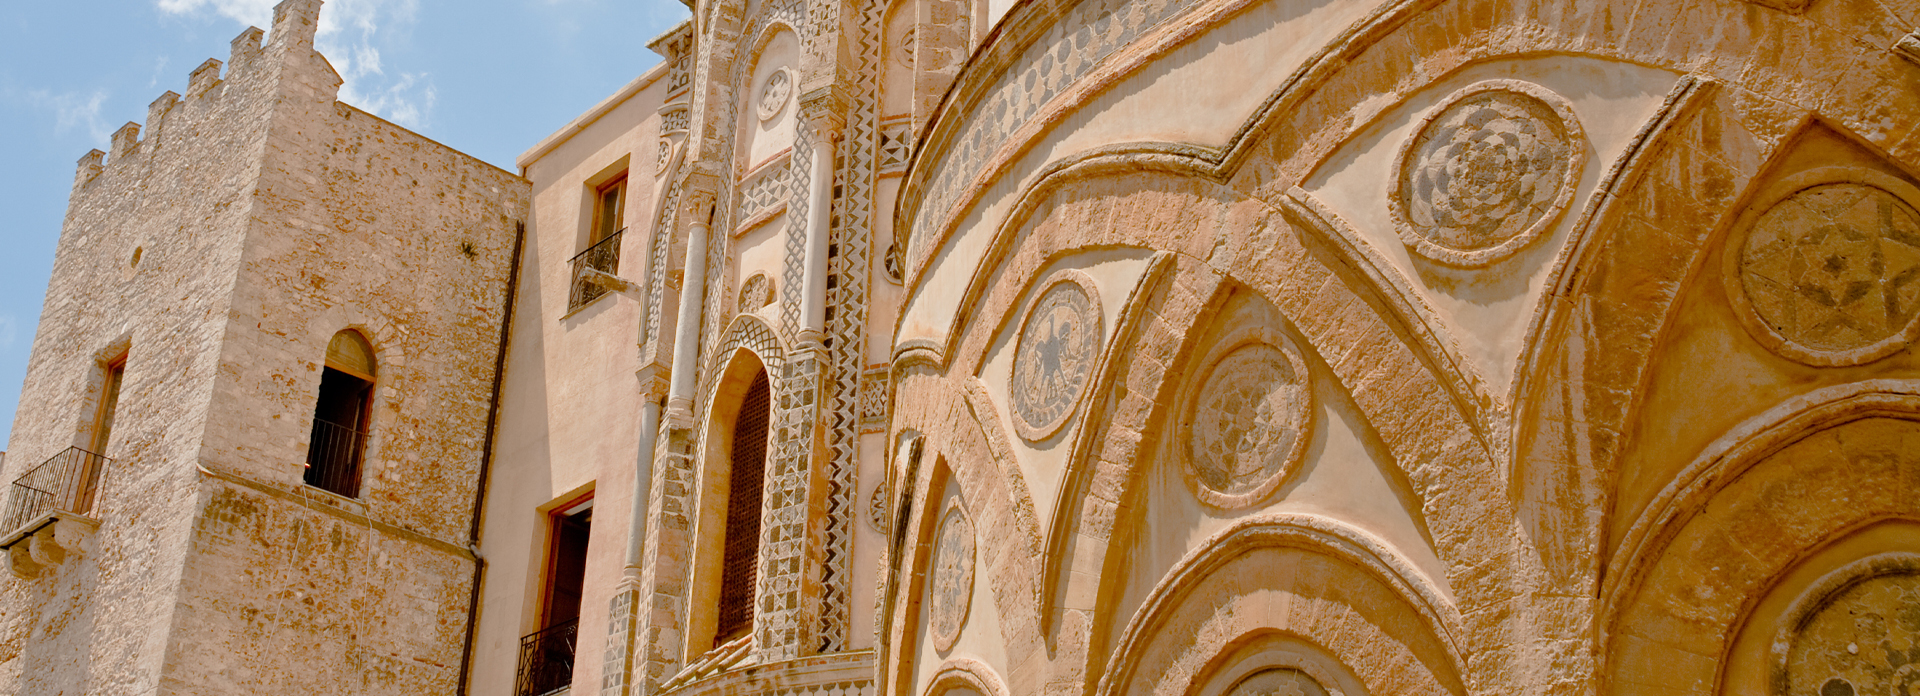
(546, 660)
(603, 256)
(47, 511)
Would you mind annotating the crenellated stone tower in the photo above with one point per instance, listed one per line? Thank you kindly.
(163, 535)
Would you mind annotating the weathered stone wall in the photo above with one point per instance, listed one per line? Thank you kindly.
(1587, 366)
(268, 217)
(183, 197)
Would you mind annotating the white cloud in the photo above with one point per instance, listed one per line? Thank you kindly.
(75, 110)
(350, 35)
(9, 330)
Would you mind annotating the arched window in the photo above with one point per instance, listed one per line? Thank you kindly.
(739, 565)
(340, 417)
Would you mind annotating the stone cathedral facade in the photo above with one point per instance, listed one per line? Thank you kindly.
(983, 348)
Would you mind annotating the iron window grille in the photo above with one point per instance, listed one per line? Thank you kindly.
(67, 482)
(546, 659)
(333, 458)
(603, 256)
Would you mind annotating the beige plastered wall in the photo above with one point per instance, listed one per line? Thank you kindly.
(570, 398)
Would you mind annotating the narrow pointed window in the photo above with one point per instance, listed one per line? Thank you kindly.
(339, 441)
(741, 558)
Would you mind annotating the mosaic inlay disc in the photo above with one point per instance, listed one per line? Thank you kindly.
(1833, 271)
(1059, 343)
(1486, 174)
(952, 585)
(1248, 425)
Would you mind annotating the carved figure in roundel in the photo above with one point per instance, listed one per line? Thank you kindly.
(1248, 424)
(1487, 173)
(952, 577)
(1058, 344)
(1277, 682)
(774, 94)
(1857, 632)
(1830, 274)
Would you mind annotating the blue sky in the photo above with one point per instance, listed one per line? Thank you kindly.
(489, 77)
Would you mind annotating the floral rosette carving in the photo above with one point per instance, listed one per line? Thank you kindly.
(1059, 342)
(1487, 173)
(1829, 274)
(1248, 423)
(951, 587)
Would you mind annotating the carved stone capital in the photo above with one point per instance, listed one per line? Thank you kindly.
(824, 110)
(653, 381)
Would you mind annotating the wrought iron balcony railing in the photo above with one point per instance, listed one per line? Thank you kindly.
(546, 659)
(333, 458)
(66, 483)
(603, 256)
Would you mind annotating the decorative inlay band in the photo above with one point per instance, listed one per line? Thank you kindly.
(951, 589)
(1829, 275)
(1059, 342)
(1487, 173)
(1248, 425)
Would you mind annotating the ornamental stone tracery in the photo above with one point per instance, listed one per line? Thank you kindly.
(1487, 173)
(1059, 342)
(951, 584)
(1830, 274)
(1861, 635)
(1248, 425)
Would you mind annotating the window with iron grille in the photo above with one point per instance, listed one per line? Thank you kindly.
(547, 655)
(740, 560)
(341, 415)
(603, 241)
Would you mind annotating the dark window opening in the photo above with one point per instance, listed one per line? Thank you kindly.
(340, 417)
(546, 656)
(739, 565)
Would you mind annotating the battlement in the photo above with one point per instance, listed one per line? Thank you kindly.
(295, 23)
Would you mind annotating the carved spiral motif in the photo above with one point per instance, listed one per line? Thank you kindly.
(774, 94)
(1277, 682)
(1248, 425)
(1858, 640)
(1487, 173)
(1832, 272)
(952, 586)
(1059, 343)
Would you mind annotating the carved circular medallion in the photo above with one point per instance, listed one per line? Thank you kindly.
(775, 94)
(1853, 632)
(1487, 173)
(1248, 424)
(903, 48)
(1829, 275)
(755, 293)
(952, 585)
(1058, 344)
(877, 508)
(1277, 682)
(894, 265)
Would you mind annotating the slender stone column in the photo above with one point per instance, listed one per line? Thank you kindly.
(813, 303)
(693, 295)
